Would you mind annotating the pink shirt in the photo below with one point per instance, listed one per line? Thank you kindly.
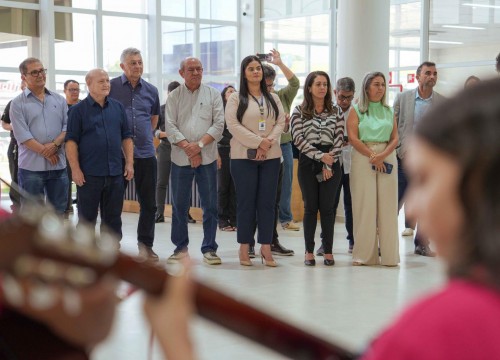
(462, 321)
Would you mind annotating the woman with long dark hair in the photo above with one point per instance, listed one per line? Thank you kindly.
(318, 133)
(256, 120)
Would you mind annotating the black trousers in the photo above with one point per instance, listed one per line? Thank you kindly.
(12, 153)
(318, 196)
(226, 194)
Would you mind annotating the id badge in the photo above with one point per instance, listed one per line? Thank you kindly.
(262, 125)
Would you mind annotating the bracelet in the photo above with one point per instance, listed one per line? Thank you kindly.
(57, 146)
(372, 155)
(157, 134)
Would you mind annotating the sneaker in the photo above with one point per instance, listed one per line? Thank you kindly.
(190, 219)
(278, 249)
(146, 253)
(177, 256)
(211, 258)
(407, 232)
(320, 251)
(251, 252)
(290, 226)
(159, 218)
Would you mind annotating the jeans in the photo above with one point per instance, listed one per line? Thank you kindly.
(402, 185)
(347, 206)
(145, 187)
(225, 191)
(106, 193)
(52, 184)
(69, 205)
(318, 196)
(181, 180)
(285, 212)
(163, 175)
(256, 183)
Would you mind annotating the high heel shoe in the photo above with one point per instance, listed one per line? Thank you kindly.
(270, 263)
(310, 262)
(244, 262)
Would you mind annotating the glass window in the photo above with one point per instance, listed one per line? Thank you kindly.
(135, 7)
(82, 4)
(217, 49)
(404, 40)
(177, 44)
(181, 8)
(14, 49)
(27, 1)
(132, 33)
(218, 10)
(78, 51)
(276, 8)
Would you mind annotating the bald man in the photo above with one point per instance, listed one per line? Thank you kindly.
(97, 133)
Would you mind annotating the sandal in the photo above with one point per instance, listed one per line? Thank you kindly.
(227, 228)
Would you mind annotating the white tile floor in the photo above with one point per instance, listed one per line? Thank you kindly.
(343, 303)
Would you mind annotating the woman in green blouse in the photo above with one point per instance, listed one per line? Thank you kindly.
(373, 134)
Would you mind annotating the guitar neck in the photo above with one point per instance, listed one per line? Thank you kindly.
(236, 316)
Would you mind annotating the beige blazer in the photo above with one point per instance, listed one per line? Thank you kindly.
(246, 135)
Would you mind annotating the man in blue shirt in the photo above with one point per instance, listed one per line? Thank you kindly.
(142, 106)
(39, 119)
(97, 132)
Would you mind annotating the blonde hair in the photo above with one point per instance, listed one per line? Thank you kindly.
(364, 100)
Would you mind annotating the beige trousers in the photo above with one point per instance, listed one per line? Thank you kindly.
(375, 209)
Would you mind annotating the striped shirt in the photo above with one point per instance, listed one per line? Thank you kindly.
(322, 129)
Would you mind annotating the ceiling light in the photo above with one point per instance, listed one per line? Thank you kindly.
(464, 27)
(446, 42)
(482, 5)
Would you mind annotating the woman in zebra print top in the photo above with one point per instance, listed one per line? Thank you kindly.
(318, 133)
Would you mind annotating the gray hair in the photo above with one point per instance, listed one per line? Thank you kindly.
(183, 62)
(23, 67)
(91, 74)
(345, 84)
(364, 100)
(128, 52)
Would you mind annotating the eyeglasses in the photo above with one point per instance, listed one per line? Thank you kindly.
(73, 90)
(346, 98)
(192, 70)
(36, 73)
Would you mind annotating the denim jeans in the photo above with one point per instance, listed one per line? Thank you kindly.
(52, 184)
(285, 212)
(402, 185)
(181, 179)
(105, 192)
(256, 184)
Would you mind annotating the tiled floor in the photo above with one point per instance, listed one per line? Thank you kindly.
(345, 304)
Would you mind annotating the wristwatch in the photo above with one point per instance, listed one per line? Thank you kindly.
(200, 144)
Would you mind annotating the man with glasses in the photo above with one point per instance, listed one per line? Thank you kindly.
(194, 123)
(344, 94)
(39, 119)
(72, 92)
(142, 105)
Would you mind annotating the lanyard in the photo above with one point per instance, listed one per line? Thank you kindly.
(261, 104)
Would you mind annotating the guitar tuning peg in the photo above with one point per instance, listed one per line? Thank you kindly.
(51, 228)
(108, 245)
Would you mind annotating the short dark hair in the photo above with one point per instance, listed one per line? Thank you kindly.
(269, 72)
(173, 85)
(425, 63)
(466, 129)
(23, 67)
(67, 82)
(345, 84)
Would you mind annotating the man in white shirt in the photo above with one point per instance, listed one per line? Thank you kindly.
(194, 124)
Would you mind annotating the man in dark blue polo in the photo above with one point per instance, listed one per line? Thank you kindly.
(142, 105)
(97, 133)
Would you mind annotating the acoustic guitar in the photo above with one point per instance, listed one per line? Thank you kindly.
(42, 234)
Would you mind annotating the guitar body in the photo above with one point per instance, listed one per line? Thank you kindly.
(22, 338)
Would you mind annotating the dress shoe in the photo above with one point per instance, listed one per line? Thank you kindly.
(251, 251)
(424, 250)
(146, 253)
(290, 226)
(177, 256)
(328, 262)
(320, 251)
(159, 218)
(270, 263)
(278, 249)
(309, 262)
(190, 219)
